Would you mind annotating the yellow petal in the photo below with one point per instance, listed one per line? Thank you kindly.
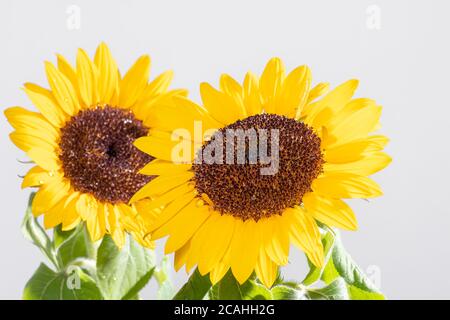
(178, 151)
(275, 239)
(245, 248)
(270, 83)
(134, 82)
(27, 142)
(266, 269)
(305, 234)
(233, 89)
(46, 104)
(36, 177)
(87, 75)
(181, 256)
(252, 98)
(71, 218)
(161, 184)
(87, 206)
(221, 268)
(294, 92)
(354, 150)
(218, 273)
(335, 99)
(160, 167)
(113, 214)
(356, 125)
(346, 185)
(54, 216)
(62, 90)
(49, 195)
(182, 227)
(33, 122)
(319, 90)
(159, 85)
(155, 94)
(44, 158)
(212, 240)
(108, 76)
(66, 69)
(171, 210)
(189, 117)
(95, 223)
(222, 107)
(332, 212)
(368, 165)
(169, 196)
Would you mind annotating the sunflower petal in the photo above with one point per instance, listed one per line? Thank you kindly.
(332, 212)
(252, 98)
(183, 226)
(245, 248)
(20, 119)
(213, 238)
(221, 106)
(294, 92)
(46, 104)
(134, 82)
(266, 270)
(87, 75)
(36, 177)
(161, 184)
(62, 90)
(368, 165)
(346, 185)
(270, 83)
(108, 76)
(305, 234)
(44, 158)
(48, 196)
(170, 211)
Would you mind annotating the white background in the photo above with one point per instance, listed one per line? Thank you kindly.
(404, 65)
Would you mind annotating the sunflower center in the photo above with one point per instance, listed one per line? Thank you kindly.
(98, 155)
(242, 188)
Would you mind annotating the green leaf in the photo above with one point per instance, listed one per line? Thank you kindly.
(336, 290)
(73, 284)
(73, 245)
(283, 292)
(195, 288)
(59, 236)
(342, 265)
(358, 294)
(122, 273)
(32, 231)
(315, 273)
(229, 289)
(166, 290)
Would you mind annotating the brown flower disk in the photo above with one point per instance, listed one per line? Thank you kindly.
(98, 155)
(241, 190)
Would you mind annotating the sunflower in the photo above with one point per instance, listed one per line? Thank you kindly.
(234, 215)
(81, 141)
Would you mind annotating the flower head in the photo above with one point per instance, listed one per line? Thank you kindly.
(222, 214)
(81, 141)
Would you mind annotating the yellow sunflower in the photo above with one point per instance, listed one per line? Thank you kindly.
(81, 141)
(225, 214)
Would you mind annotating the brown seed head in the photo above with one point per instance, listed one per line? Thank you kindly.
(98, 155)
(242, 191)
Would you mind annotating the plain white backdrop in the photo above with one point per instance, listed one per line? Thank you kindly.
(398, 49)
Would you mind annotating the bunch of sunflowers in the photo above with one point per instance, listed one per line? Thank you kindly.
(232, 182)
